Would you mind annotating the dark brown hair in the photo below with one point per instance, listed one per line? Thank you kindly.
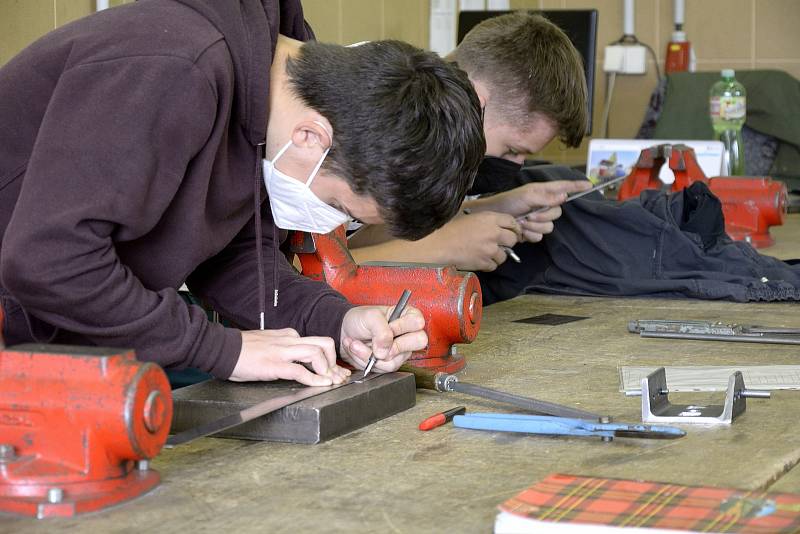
(530, 62)
(407, 127)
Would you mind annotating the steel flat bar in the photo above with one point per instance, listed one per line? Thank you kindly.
(721, 337)
(252, 412)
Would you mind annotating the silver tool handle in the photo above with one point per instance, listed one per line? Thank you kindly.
(526, 403)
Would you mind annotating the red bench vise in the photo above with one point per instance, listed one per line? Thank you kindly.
(450, 300)
(77, 428)
(750, 205)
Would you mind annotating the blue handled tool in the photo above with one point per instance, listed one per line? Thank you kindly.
(562, 426)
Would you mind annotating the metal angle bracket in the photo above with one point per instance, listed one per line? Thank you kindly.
(656, 407)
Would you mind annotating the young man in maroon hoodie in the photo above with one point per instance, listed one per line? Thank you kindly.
(174, 141)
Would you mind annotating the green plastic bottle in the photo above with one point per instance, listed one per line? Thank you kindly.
(728, 107)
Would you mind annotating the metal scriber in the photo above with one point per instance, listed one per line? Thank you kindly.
(398, 309)
(576, 196)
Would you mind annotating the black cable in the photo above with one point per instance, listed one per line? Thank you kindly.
(655, 59)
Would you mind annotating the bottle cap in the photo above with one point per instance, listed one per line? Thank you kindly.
(678, 36)
(728, 73)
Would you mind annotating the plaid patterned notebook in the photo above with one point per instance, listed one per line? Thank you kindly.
(586, 504)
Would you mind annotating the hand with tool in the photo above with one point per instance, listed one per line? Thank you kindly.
(478, 241)
(471, 242)
(311, 360)
(481, 238)
(367, 332)
(522, 201)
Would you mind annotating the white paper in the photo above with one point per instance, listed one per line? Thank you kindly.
(507, 523)
(714, 378)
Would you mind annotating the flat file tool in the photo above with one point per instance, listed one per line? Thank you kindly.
(444, 382)
(285, 410)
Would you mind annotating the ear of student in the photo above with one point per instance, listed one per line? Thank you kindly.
(482, 90)
(310, 133)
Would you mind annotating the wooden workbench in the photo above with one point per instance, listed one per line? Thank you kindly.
(390, 477)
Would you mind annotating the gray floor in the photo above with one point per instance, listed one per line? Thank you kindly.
(390, 477)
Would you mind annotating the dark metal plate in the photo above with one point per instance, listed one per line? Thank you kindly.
(313, 420)
(550, 319)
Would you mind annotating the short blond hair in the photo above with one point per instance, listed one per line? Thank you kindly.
(534, 65)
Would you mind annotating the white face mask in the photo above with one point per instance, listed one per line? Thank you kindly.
(294, 206)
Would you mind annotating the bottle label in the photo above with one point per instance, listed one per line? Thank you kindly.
(728, 107)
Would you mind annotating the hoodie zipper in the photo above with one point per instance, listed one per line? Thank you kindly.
(259, 235)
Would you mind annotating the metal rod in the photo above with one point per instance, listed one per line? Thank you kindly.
(755, 393)
(773, 330)
(444, 382)
(526, 403)
(749, 393)
(720, 337)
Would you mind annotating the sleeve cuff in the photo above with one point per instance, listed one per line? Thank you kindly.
(220, 352)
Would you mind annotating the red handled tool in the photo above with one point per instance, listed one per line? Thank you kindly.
(441, 418)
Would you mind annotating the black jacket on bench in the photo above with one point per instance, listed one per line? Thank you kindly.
(660, 245)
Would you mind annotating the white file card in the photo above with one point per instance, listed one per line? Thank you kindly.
(714, 378)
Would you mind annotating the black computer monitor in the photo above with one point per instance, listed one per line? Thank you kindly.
(579, 25)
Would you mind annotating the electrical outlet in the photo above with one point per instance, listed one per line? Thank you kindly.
(635, 61)
(613, 57)
(625, 59)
